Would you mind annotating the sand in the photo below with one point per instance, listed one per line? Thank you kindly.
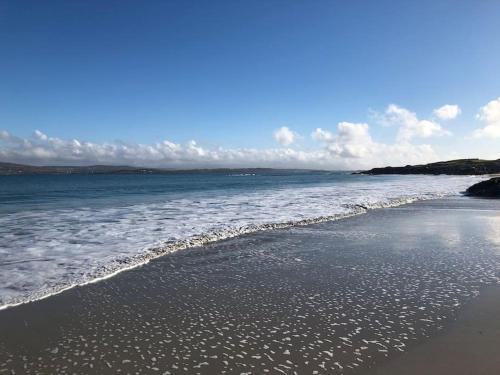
(388, 292)
(468, 346)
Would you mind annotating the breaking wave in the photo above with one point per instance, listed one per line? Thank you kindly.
(49, 251)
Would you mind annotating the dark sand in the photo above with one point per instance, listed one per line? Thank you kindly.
(377, 293)
(469, 346)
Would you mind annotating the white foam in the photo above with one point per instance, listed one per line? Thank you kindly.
(46, 252)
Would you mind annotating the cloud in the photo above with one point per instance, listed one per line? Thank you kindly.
(42, 149)
(409, 125)
(351, 141)
(448, 112)
(349, 147)
(40, 135)
(490, 116)
(322, 135)
(284, 136)
(353, 144)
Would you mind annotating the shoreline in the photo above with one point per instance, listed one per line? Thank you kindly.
(195, 242)
(344, 297)
(214, 237)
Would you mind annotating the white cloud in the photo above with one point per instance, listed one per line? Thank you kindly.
(351, 141)
(350, 147)
(284, 136)
(41, 136)
(409, 125)
(322, 135)
(448, 112)
(490, 116)
(353, 144)
(45, 150)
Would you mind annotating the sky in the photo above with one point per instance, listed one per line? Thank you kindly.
(295, 84)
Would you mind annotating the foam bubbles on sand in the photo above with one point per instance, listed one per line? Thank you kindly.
(45, 251)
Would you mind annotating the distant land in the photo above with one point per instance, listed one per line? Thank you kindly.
(10, 169)
(452, 167)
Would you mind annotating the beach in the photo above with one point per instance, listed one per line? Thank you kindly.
(468, 345)
(249, 187)
(369, 294)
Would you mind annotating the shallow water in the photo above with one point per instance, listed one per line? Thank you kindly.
(59, 231)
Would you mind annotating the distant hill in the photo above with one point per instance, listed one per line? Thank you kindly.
(453, 167)
(9, 169)
(15, 169)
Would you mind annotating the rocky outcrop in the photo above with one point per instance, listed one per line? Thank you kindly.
(489, 188)
(453, 167)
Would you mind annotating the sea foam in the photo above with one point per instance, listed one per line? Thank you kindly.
(48, 251)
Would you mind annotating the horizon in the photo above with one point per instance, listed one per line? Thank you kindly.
(201, 168)
(140, 167)
(324, 85)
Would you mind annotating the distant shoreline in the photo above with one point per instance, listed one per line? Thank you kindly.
(451, 167)
(12, 169)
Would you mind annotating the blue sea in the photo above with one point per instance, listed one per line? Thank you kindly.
(58, 231)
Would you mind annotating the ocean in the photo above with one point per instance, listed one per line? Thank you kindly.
(58, 231)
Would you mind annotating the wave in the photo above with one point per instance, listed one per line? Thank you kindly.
(63, 236)
(128, 263)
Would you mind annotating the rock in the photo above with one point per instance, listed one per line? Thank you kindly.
(489, 188)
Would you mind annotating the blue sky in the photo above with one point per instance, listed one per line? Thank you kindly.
(229, 74)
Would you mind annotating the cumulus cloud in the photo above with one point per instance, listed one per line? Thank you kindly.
(490, 116)
(409, 124)
(284, 136)
(448, 112)
(351, 141)
(350, 146)
(353, 144)
(41, 136)
(42, 149)
(322, 135)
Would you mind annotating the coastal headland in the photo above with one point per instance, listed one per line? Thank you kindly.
(452, 167)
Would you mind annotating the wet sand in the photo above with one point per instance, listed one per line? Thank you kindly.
(468, 346)
(384, 291)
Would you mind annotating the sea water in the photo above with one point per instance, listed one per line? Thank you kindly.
(58, 231)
